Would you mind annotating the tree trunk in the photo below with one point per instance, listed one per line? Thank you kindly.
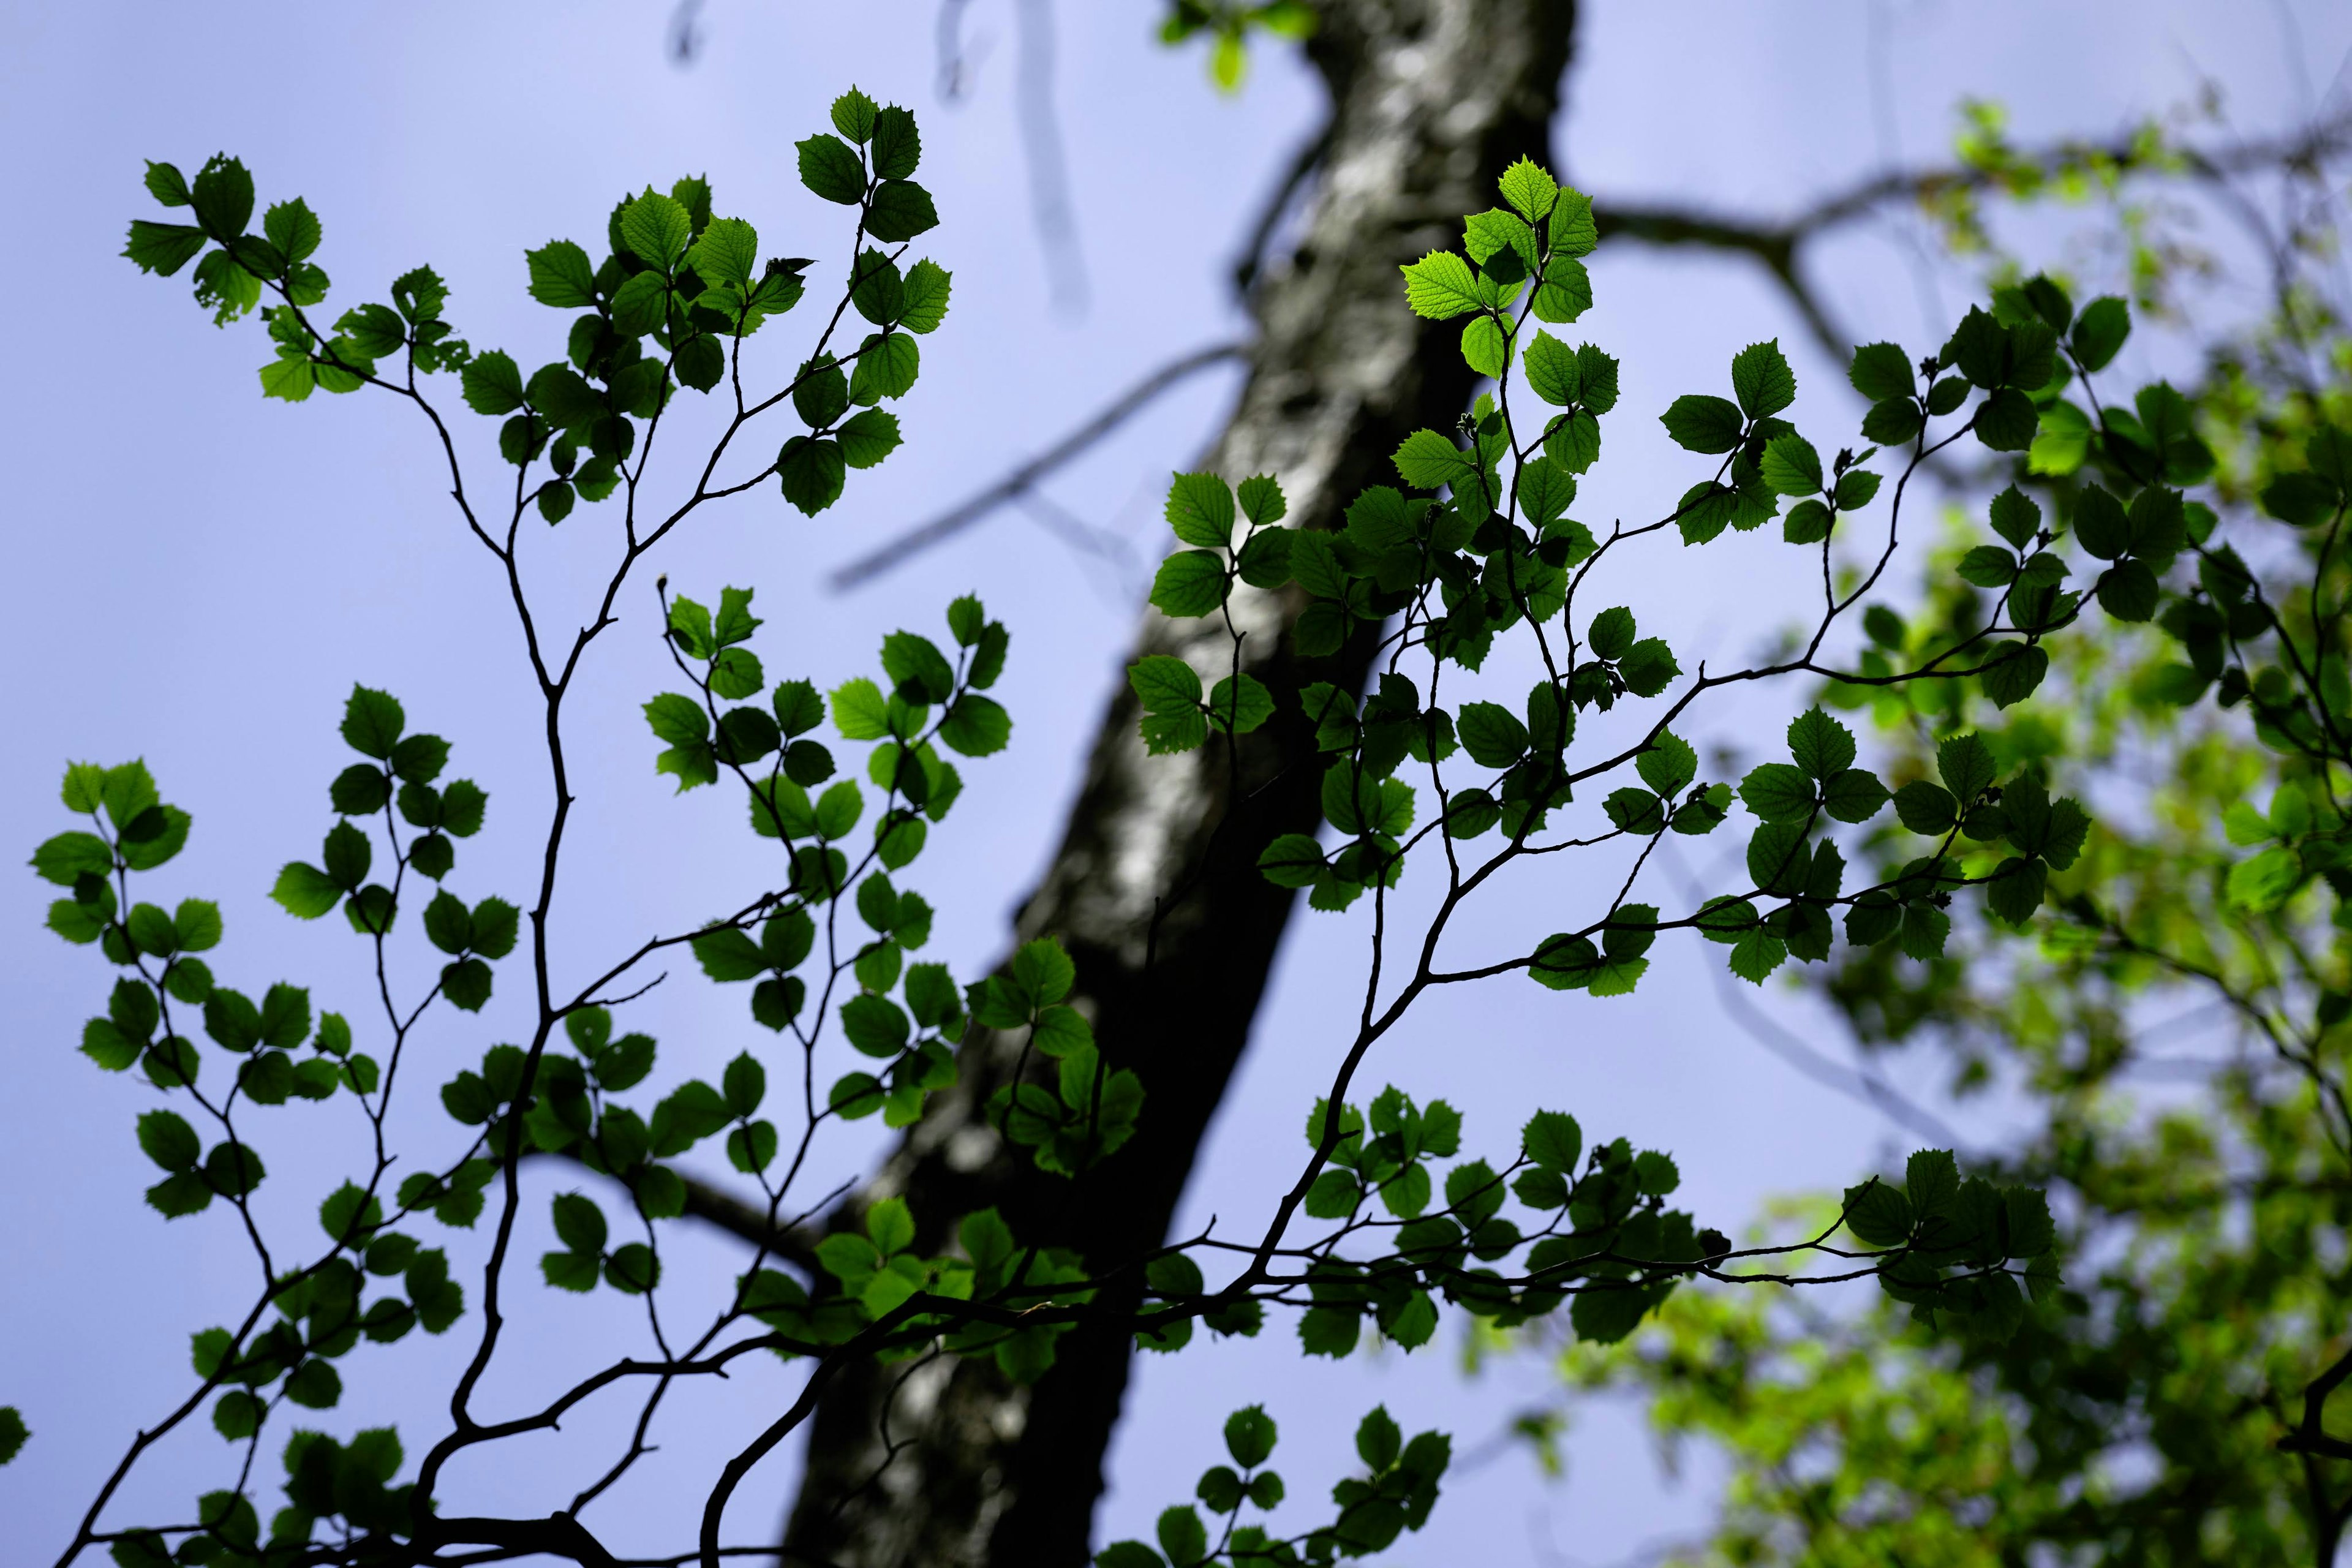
(1155, 890)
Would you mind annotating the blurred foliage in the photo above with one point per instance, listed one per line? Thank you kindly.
(2177, 1037)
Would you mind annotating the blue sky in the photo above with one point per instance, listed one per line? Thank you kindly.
(200, 577)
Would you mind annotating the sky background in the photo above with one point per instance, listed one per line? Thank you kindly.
(199, 577)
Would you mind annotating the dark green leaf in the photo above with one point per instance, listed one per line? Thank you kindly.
(1880, 371)
(1761, 380)
(812, 472)
(2100, 331)
(901, 210)
(1190, 583)
(1702, 424)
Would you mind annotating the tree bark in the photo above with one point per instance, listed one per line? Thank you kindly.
(944, 1464)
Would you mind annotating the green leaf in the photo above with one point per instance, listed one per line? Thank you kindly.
(449, 923)
(1553, 1141)
(562, 277)
(1648, 667)
(1292, 860)
(2007, 421)
(869, 437)
(1573, 441)
(2301, 498)
(169, 1141)
(976, 726)
(1552, 370)
(492, 384)
(1878, 1213)
(1761, 380)
(897, 144)
(2100, 331)
(69, 856)
(1044, 971)
(820, 393)
(1893, 423)
(1822, 745)
(162, 249)
(1777, 792)
(728, 252)
(633, 1270)
(1328, 1331)
(1492, 735)
(879, 291)
(1494, 233)
(1531, 192)
(859, 711)
(1190, 583)
(1201, 509)
(1880, 371)
(1566, 292)
(1182, 1536)
(657, 228)
(373, 722)
(875, 1025)
(744, 1085)
(496, 925)
(812, 472)
(901, 210)
(1428, 461)
(180, 1194)
(1702, 424)
(1483, 347)
(1573, 232)
(888, 365)
(222, 196)
(2012, 671)
(1239, 706)
(640, 305)
(1755, 956)
(1547, 491)
(1128, 1554)
(1441, 285)
(305, 891)
(1164, 682)
(677, 720)
(1792, 465)
(925, 298)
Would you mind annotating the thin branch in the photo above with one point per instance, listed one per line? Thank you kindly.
(962, 515)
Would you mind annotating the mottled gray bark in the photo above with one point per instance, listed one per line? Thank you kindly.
(1154, 890)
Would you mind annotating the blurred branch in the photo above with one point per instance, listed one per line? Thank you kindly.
(955, 68)
(1774, 246)
(791, 1242)
(1779, 244)
(1855, 1083)
(1017, 483)
(1051, 211)
(1303, 165)
(685, 32)
(1049, 174)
